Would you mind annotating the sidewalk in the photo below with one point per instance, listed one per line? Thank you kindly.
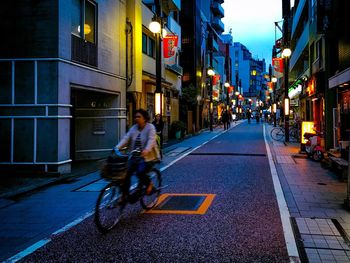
(315, 198)
(15, 184)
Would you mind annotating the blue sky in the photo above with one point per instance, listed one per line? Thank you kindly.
(252, 23)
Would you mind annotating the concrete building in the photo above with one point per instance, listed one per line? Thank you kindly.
(340, 81)
(312, 62)
(200, 19)
(63, 82)
(142, 88)
(241, 65)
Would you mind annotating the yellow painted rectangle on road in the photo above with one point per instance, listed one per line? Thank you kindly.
(201, 210)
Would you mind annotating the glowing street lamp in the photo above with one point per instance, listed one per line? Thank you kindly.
(155, 27)
(274, 79)
(286, 53)
(211, 72)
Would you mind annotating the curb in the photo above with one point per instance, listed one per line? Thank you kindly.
(31, 188)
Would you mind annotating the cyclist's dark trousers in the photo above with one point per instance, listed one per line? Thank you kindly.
(140, 168)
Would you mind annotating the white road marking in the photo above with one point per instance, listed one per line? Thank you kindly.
(283, 208)
(29, 250)
(44, 241)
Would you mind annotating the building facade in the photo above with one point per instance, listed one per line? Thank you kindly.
(312, 63)
(340, 80)
(171, 70)
(63, 91)
(201, 30)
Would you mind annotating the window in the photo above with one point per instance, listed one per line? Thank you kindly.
(151, 45)
(148, 45)
(84, 32)
(90, 21)
(87, 18)
(76, 17)
(144, 43)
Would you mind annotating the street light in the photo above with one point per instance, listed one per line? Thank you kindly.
(274, 79)
(156, 28)
(211, 73)
(286, 53)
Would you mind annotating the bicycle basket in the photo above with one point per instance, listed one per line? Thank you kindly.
(115, 168)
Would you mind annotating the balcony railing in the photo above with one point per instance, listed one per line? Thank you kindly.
(217, 9)
(175, 68)
(302, 44)
(84, 51)
(297, 15)
(218, 25)
(317, 65)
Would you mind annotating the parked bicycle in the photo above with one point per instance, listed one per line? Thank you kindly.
(278, 133)
(109, 208)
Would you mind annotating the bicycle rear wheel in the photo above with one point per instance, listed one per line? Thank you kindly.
(277, 134)
(108, 210)
(149, 201)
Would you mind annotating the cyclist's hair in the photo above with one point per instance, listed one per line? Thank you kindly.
(144, 114)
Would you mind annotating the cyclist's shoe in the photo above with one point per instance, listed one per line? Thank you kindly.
(149, 189)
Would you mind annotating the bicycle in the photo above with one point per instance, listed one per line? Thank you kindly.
(109, 208)
(278, 133)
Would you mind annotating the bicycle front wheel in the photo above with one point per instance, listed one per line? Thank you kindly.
(108, 210)
(150, 200)
(277, 134)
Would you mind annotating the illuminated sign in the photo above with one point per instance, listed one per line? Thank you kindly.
(306, 126)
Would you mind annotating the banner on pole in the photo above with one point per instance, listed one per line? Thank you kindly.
(278, 68)
(170, 49)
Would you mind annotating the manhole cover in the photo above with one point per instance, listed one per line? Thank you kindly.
(189, 203)
(183, 204)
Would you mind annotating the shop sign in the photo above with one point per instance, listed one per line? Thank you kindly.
(170, 49)
(311, 87)
(295, 91)
(306, 126)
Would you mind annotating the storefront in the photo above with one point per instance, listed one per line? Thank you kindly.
(341, 114)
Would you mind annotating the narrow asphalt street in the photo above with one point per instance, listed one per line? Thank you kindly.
(242, 224)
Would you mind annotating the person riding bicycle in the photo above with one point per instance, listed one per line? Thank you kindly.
(141, 136)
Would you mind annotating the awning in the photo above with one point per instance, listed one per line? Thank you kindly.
(339, 79)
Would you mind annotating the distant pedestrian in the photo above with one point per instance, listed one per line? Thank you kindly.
(257, 117)
(249, 115)
(224, 119)
(229, 115)
(266, 117)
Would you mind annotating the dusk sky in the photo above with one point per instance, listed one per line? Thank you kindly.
(252, 23)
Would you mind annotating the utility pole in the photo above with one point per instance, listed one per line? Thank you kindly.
(211, 106)
(286, 15)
